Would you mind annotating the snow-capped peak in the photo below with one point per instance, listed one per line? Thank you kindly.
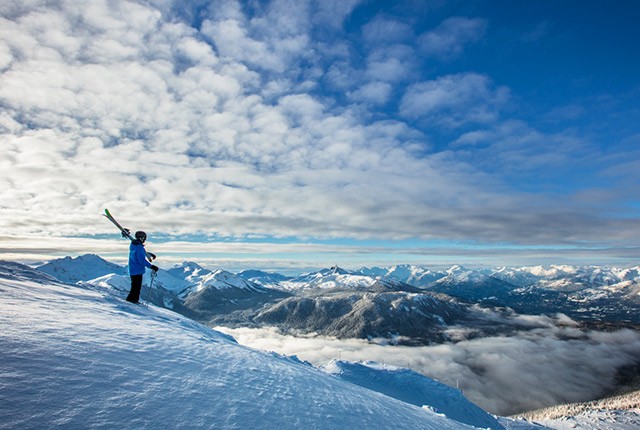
(461, 274)
(221, 280)
(80, 268)
(188, 271)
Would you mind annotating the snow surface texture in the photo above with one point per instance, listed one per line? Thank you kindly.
(412, 387)
(79, 357)
(619, 412)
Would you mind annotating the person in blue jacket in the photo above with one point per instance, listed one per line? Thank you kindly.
(137, 264)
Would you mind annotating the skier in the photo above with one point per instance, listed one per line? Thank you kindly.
(137, 265)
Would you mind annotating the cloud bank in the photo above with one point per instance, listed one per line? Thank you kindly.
(504, 375)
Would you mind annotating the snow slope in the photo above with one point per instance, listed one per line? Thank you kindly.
(80, 268)
(162, 280)
(79, 357)
(413, 388)
(619, 412)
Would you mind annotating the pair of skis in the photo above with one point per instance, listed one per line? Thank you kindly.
(125, 232)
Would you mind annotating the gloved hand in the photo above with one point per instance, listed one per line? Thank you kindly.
(154, 268)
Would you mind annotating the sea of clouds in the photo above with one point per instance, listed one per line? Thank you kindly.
(503, 374)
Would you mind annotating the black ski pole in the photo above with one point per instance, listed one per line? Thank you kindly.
(153, 276)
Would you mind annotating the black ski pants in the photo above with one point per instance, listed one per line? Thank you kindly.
(136, 286)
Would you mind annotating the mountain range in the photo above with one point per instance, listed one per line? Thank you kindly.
(202, 376)
(406, 304)
(589, 293)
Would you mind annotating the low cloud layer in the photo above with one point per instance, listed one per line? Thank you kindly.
(504, 375)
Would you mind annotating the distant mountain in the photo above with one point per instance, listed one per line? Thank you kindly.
(470, 285)
(336, 302)
(188, 288)
(407, 318)
(337, 278)
(412, 275)
(94, 270)
(83, 268)
(598, 295)
(221, 296)
(566, 278)
(263, 278)
(200, 278)
(190, 272)
(223, 280)
(553, 277)
(378, 302)
(331, 302)
(593, 294)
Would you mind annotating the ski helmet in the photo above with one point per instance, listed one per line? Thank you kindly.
(141, 236)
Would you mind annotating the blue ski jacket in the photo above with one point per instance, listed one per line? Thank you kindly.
(137, 258)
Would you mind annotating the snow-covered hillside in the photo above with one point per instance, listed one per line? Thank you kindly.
(618, 412)
(80, 268)
(80, 357)
(162, 281)
(412, 388)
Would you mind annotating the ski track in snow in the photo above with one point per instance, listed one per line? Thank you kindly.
(77, 358)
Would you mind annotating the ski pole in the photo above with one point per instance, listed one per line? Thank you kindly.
(153, 276)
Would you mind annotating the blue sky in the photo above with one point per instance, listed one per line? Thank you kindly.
(295, 134)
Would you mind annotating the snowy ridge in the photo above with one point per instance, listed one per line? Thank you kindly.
(618, 412)
(261, 277)
(562, 276)
(181, 280)
(413, 388)
(81, 268)
(100, 362)
(337, 278)
(332, 278)
(221, 279)
(551, 277)
(189, 271)
(199, 278)
(162, 281)
(412, 275)
(555, 277)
